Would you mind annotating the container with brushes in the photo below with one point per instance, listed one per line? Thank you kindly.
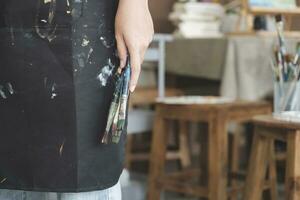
(286, 69)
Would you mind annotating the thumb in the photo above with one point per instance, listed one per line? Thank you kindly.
(135, 62)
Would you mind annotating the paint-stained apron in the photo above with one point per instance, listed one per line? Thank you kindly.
(57, 58)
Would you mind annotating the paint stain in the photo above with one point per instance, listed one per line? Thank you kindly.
(105, 42)
(105, 73)
(68, 11)
(2, 93)
(61, 148)
(53, 95)
(48, 33)
(85, 41)
(89, 54)
(53, 89)
(10, 88)
(12, 35)
(81, 59)
(3, 180)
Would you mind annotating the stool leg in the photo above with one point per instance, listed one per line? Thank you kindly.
(184, 150)
(203, 155)
(257, 168)
(217, 158)
(272, 171)
(235, 154)
(157, 157)
(293, 166)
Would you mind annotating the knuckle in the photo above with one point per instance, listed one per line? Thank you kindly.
(122, 57)
(118, 37)
(121, 53)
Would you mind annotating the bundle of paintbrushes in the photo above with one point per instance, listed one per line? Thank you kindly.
(116, 123)
(286, 70)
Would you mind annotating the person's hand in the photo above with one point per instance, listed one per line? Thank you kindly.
(134, 32)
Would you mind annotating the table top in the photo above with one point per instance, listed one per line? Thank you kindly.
(210, 102)
(206, 108)
(276, 122)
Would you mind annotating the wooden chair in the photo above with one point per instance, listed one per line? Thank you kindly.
(267, 130)
(217, 115)
(141, 121)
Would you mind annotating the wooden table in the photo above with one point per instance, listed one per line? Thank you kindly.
(217, 116)
(267, 130)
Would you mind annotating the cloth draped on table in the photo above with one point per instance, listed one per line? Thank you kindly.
(240, 63)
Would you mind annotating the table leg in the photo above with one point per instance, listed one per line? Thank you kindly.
(184, 150)
(217, 158)
(293, 166)
(257, 167)
(157, 156)
(272, 171)
(203, 154)
(235, 158)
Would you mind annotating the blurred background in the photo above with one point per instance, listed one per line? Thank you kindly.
(205, 48)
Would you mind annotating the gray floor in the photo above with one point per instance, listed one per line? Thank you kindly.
(135, 189)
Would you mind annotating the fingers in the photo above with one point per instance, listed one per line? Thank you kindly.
(135, 61)
(122, 51)
(142, 54)
(136, 57)
(137, 52)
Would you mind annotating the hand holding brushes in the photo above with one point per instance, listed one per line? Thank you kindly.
(117, 113)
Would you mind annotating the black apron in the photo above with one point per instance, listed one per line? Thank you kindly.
(57, 60)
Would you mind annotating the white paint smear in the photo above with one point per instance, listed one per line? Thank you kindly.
(105, 73)
(85, 41)
(2, 94)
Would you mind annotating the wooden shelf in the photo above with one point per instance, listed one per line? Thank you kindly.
(288, 34)
(274, 11)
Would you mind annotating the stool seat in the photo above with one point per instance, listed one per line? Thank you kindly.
(267, 129)
(275, 121)
(236, 110)
(185, 100)
(217, 112)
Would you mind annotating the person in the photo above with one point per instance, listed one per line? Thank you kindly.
(58, 58)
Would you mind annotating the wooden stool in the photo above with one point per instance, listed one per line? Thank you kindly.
(268, 129)
(143, 97)
(217, 114)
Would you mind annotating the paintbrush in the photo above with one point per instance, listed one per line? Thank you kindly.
(282, 48)
(112, 111)
(123, 104)
(297, 56)
(118, 108)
